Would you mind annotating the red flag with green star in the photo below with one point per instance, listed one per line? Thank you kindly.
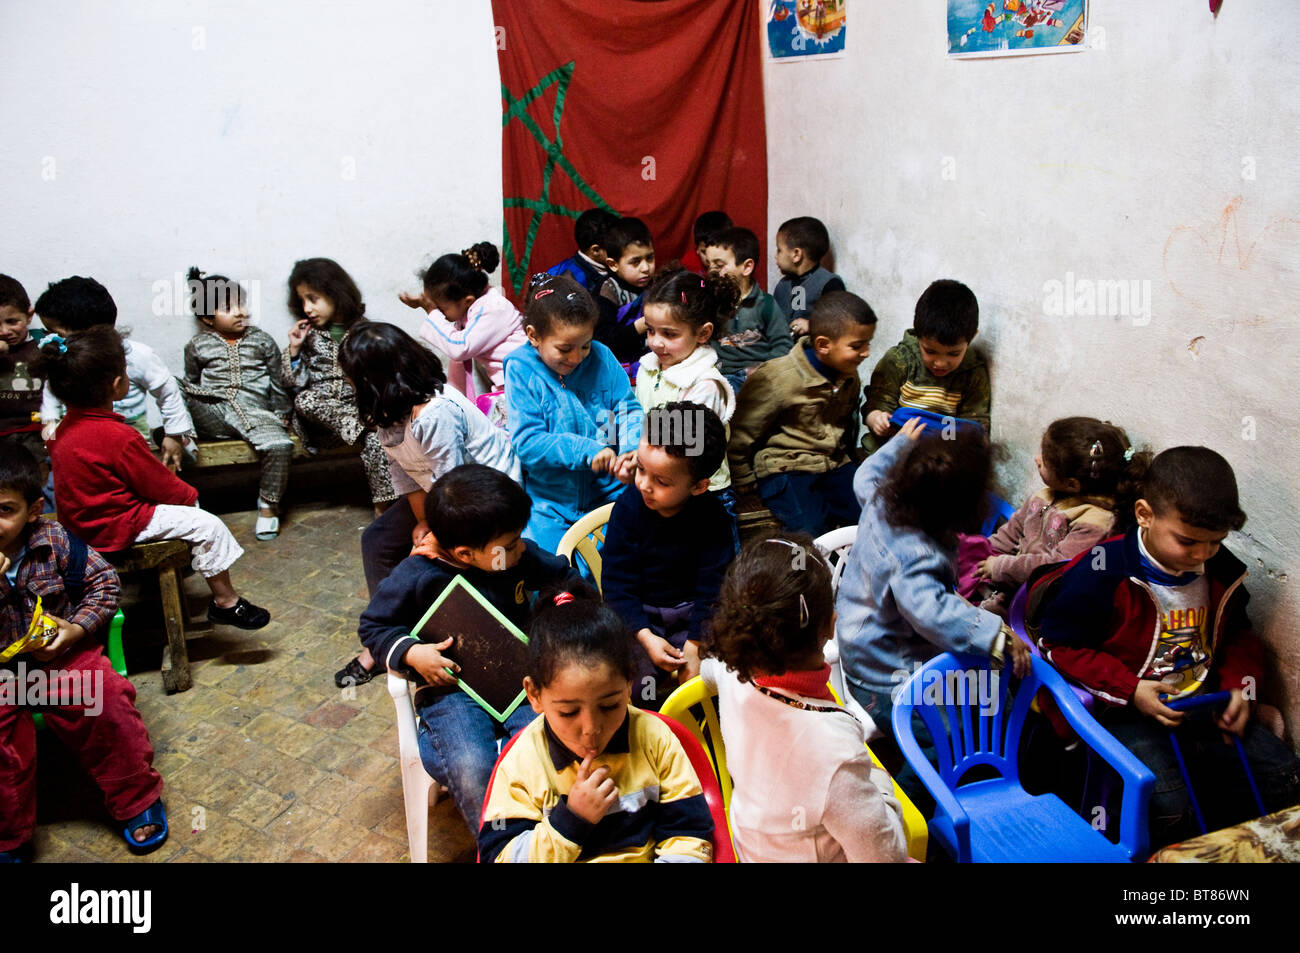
(652, 108)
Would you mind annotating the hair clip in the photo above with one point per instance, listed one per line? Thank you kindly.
(683, 297)
(563, 598)
(543, 293)
(803, 611)
(58, 341)
(1095, 452)
(540, 277)
(784, 542)
(1128, 454)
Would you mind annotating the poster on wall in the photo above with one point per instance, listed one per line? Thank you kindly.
(1015, 27)
(805, 29)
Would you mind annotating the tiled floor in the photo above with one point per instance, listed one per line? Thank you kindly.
(263, 759)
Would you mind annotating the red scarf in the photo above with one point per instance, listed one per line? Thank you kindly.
(808, 684)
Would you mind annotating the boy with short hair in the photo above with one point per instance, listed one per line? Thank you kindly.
(75, 304)
(668, 544)
(796, 423)
(87, 706)
(759, 331)
(630, 257)
(1160, 613)
(933, 368)
(476, 516)
(20, 392)
(587, 265)
(801, 244)
(707, 224)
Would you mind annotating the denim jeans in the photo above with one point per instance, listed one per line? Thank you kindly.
(815, 503)
(459, 743)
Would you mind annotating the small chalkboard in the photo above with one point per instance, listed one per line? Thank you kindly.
(491, 651)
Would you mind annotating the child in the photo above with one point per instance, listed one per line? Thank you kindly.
(792, 750)
(574, 421)
(477, 516)
(101, 725)
(232, 387)
(796, 422)
(326, 303)
(592, 779)
(75, 304)
(111, 491)
(759, 331)
(801, 244)
(707, 225)
(426, 430)
(468, 319)
(682, 310)
(20, 413)
(933, 368)
(668, 543)
(1092, 478)
(630, 257)
(1160, 613)
(896, 605)
(587, 266)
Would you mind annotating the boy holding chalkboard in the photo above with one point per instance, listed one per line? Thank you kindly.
(477, 516)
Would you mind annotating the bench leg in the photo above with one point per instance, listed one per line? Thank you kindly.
(176, 657)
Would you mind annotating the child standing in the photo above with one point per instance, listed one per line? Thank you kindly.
(75, 304)
(326, 303)
(232, 387)
(796, 423)
(630, 257)
(592, 779)
(112, 492)
(20, 392)
(477, 516)
(1158, 614)
(587, 266)
(574, 421)
(801, 244)
(792, 750)
(759, 331)
(105, 731)
(668, 543)
(426, 429)
(1092, 478)
(933, 367)
(469, 320)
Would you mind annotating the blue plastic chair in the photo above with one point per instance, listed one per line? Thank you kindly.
(1204, 701)
(999, 512)
(995, 819)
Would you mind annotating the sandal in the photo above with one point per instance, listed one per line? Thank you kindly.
(268, 527)
(155, 813)
(354, 673)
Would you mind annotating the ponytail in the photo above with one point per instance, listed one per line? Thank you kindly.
(694, 300)
(457, 276)
(571, 624)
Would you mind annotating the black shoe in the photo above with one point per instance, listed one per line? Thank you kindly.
(354, 673)
(243, 614)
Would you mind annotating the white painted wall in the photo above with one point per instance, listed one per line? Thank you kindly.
(1114, 163)
(240, 136)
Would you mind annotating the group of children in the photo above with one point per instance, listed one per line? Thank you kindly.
(738, 399)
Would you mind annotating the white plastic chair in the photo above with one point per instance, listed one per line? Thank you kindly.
(419, 791)
(586, 536)
(835, 546)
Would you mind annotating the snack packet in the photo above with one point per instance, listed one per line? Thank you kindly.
(42, 631)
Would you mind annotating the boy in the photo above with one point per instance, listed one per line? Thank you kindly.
(20, 393)
(630, 257)
(801, 244)
(706, 226)
(933, 367)
(668, 544)
(796, 423)
(87, 706)
(75, 304)
(1161, 613)
(587, 266)
(477, 516)
(759, 331)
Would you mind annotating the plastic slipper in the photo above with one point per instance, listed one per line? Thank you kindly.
(155, 813)
(268, 527)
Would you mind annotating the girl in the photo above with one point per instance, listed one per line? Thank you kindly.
(468, 319)
(112, 493)
(682, 310)
(1092, 477)
(593, 778)
(574, 421)
(232, 387)
(425, 429)
(896, 605)
(791, 748)
(326, 303)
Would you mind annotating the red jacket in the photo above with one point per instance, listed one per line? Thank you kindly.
(106, 481)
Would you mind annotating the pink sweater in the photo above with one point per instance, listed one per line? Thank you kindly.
(1048, 529)
(492, 329)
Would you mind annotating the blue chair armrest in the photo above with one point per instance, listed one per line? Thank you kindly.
(944, 798)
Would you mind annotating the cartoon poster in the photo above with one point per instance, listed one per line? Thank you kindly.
(1015, 27)
(799, 29)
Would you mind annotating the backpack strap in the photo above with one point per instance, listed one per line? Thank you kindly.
(74, 577)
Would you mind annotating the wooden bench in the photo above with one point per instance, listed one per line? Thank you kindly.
(227, 453)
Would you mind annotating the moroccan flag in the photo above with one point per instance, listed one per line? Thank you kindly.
(651, 108)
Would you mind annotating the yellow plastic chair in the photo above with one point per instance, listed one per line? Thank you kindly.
(695, 707)
(585, 537)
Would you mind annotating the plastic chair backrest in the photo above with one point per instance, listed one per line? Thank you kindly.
(586, 537)
(999, 512)
(835, 547)
(704, 726)
(419, 790)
